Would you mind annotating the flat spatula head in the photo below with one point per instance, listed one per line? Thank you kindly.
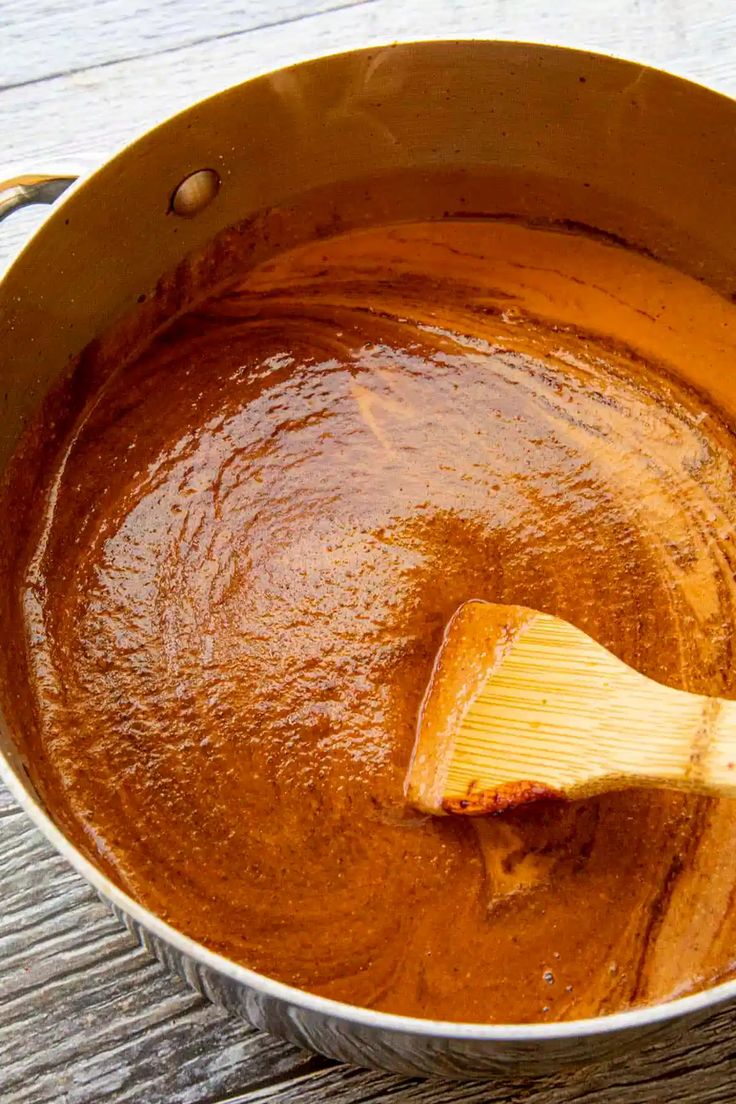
(522, 705)
(477, 639)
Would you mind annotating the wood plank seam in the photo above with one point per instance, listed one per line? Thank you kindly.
(63, 73)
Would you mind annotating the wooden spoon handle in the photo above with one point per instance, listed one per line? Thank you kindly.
(712, 759)
(675, 739)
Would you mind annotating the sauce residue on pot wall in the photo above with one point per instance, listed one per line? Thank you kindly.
(245, 555)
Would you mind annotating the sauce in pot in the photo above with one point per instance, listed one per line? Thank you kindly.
(250, 544)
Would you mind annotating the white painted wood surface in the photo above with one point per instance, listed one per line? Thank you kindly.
(85, 1014)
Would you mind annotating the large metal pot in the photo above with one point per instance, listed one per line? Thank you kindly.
(606, 143)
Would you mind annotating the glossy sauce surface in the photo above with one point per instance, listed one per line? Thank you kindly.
(251, 543)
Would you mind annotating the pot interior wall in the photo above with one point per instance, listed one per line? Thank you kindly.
(528, 130)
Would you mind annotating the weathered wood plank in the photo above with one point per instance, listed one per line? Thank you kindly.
(62, 37)
(691, 1081)
(85, 1014)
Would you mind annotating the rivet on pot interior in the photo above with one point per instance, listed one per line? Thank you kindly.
(195, 192)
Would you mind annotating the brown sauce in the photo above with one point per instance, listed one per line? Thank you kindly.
(248, 548)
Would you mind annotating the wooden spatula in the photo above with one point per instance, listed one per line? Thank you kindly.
(522, 706)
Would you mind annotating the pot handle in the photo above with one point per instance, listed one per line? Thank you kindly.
(27, 188)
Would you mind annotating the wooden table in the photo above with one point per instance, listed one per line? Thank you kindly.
(85, 1014)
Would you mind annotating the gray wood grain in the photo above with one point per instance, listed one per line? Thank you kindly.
(85, 1014)
(98, 32)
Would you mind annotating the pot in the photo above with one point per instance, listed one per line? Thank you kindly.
(606, 144)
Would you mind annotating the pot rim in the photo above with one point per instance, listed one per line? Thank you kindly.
(633, 1019)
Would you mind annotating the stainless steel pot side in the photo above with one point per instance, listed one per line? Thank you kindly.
(603, 142)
